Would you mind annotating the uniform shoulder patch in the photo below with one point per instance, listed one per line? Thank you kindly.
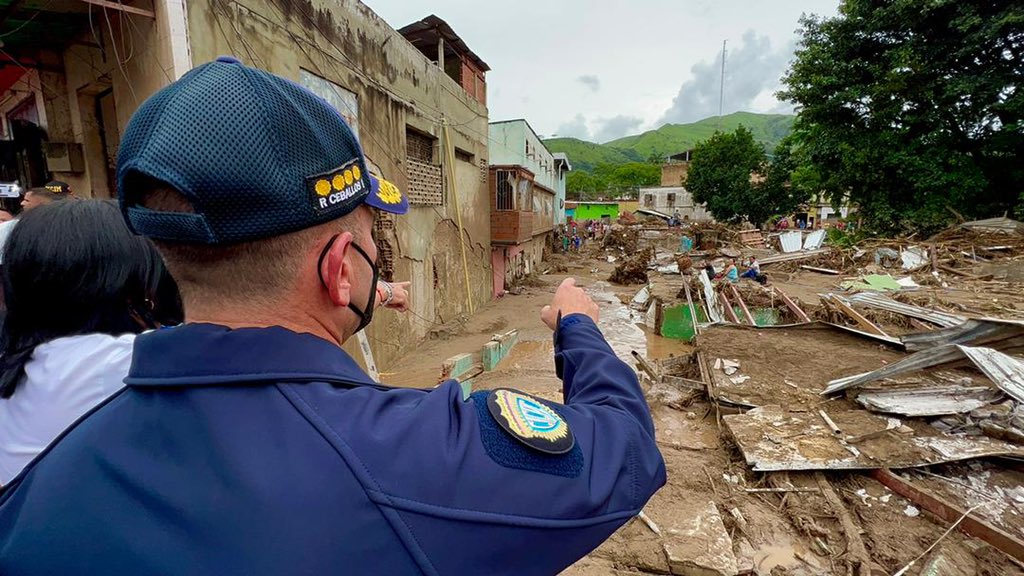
(530, 421)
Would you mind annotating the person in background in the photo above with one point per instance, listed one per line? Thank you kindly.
(731, 272)
(79, 287)
(34, 198)
(5, 216)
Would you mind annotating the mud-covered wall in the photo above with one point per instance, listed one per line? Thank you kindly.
(396, 89)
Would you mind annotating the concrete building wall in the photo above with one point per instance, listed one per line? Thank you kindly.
(669, 200)
(514, 143)
(672, 175)
(397, 89)
(87, 92)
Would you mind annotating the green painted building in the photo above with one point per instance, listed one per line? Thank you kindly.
(593, 211)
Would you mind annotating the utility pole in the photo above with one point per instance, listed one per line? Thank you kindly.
(721, 91)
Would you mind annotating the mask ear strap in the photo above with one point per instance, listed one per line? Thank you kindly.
(373, 289)
(320, 261)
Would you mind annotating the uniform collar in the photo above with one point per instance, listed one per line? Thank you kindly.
(208, 354)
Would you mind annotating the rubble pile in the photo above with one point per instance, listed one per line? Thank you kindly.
(839, 411)
(633, 268)
(622, 238)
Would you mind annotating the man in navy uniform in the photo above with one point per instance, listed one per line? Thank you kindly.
(248, 442)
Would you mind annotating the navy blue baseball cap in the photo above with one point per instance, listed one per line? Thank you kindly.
(256, 155)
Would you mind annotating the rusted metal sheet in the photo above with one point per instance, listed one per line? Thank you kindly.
(874, 300)
(772, 439)
(972, 525)
(928, 401)
(1005, 371)
(995, 333)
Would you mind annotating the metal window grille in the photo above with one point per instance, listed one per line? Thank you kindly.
(505, 192)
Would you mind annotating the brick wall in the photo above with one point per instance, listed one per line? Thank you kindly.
(672, 174)
(426, 183)
(419, 146)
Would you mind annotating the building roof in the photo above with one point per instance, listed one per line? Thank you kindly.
(563, 158)
(424, 35)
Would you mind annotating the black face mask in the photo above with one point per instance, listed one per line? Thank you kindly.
(365, 315)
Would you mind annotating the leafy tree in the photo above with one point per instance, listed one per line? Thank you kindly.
(720, 174)
(584, 186)
(656, 158)
(630, 177)
(912, 108)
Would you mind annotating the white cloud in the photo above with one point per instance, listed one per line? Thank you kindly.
(590, 81)
(575, 128)
(616, 127)
(753, 70)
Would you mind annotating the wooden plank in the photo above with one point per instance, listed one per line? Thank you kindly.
(122, 7)
(972, 525)
(646, 366)
(857, 317)
(800, 314)
(693, 311)
(743, 305)
(922, 326)
(822, 270)
(730, 314)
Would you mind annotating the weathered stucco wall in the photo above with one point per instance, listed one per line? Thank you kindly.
(396, 89)
(128, 55)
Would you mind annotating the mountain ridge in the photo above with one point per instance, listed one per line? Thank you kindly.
(669, 139)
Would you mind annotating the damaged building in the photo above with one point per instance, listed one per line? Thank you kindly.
(527, 192)
(75, 71)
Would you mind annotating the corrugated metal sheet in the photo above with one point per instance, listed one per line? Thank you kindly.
(814, 240)
(773, 439)
(791, 241)
(928, 401)
(1004, 225)
(914, 362)
(1006, 371)
(714, 307)
(873, 300)
(796, 256)
(974, 332)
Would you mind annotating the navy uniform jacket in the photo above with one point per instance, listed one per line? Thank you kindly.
(264, 451)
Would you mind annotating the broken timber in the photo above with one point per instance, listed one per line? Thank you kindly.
(730, 314)
(800, 314)
(857, 317)
(822, 270)
(971, 525)
(693, 311)
(743, 305)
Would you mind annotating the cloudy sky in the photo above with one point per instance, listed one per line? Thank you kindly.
(603, 69)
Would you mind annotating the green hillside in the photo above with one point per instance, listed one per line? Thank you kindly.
(586, 155)
(768, 129)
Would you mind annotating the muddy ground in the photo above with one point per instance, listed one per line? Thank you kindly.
(843, 518)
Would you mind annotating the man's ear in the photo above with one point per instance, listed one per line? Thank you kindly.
(337, 271)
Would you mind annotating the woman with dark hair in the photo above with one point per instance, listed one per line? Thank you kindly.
(79, 287)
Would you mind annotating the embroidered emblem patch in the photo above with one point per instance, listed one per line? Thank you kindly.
(530, 421)
(388, 193)
(342, 186)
